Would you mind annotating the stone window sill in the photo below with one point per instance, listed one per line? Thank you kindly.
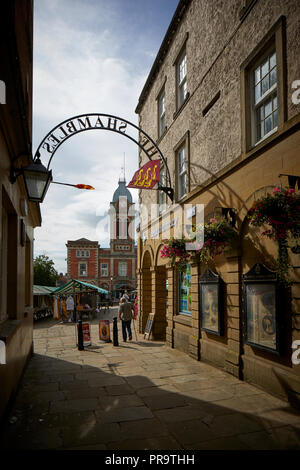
(8, 329)
(183, 319)
(182, 106)
(161, 136)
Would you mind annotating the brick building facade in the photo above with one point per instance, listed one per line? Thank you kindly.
(113, 268)
(218, 102)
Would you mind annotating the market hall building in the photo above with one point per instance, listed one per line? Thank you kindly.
(221, 102)
(113, 268)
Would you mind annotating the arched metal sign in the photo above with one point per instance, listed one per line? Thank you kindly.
(94, 121)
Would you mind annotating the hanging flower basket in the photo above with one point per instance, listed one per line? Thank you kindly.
(218, 236)
(281, 211)
(175, 250)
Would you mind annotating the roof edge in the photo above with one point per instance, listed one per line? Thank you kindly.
(177, 17)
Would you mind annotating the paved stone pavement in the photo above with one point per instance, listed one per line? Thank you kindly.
(139, 395)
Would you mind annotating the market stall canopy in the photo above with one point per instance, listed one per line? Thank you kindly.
(43, 290)
(74, 286)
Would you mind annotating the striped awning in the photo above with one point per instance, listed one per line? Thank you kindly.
(43, 290)
(74, 286)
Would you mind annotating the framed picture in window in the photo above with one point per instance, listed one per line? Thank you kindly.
(261, 308)
(185, 298)
(211, 302)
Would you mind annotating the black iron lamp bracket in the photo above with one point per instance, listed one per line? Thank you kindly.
(168, 190)
(293, 180)
(15, 172)
(229, 214)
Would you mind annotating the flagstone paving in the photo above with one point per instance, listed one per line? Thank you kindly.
(138, 395)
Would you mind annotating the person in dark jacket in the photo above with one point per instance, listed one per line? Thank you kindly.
(126, 311)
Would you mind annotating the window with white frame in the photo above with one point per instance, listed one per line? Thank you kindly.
(82, 269)
(122, 269)
(181, 171)
(83, 253)
(263, 82)
(161, 113)
(181, 74)
(104, 269)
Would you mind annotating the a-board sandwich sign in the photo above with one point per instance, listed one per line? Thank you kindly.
(149, 324)
(86, 334)
(104, 331)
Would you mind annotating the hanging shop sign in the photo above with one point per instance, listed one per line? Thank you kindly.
(147, 176)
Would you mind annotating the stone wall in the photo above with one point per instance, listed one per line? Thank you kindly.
(217, 45)
(225, 172)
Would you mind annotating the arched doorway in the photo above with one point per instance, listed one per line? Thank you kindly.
(160, 296)
(146, 291)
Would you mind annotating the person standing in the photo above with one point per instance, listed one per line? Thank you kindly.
(70, 307)
(126, 311)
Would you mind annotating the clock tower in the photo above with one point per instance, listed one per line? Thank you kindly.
(122, 242)
(113, 268)
(122, 217)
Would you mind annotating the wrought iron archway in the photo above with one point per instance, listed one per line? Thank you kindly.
(98, 121)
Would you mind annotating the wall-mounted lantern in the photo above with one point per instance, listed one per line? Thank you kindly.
(261, 306)
(211, 303)
(36, 179)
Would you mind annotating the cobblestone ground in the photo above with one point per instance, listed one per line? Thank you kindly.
(138, 395)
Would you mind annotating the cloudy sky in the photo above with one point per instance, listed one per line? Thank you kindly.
(90, 56)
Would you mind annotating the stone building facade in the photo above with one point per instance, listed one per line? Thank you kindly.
(221, 102)
(18, 216)
(113, 268)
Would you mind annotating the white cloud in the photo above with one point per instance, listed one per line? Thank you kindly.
(85, 62)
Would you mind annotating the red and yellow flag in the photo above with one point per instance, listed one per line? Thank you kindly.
(147, 176)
